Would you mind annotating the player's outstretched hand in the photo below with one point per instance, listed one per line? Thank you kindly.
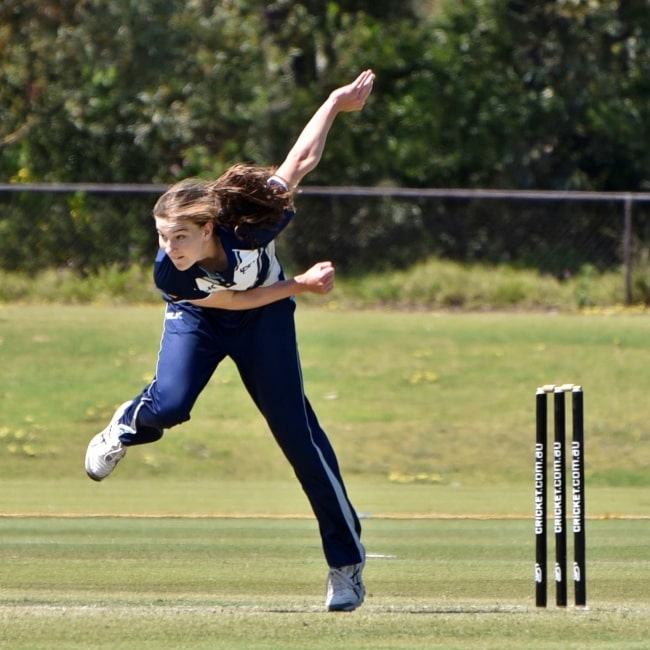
(317, 279)
(352, 96)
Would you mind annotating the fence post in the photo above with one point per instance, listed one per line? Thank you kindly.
(627, 248)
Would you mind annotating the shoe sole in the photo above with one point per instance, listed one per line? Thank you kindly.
(94, 477)
(347, 607)
(351, 608)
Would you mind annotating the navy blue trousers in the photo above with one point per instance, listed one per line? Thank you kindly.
(262, 344)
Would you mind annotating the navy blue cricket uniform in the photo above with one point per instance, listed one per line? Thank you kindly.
(262, 344)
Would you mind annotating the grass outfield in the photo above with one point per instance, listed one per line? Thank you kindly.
(204, 540)
(440, 398)
(172, 583)
(163, 564)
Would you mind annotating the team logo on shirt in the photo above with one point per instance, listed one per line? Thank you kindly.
(211, 285)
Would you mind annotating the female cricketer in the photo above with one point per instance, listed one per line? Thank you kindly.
(226, 296)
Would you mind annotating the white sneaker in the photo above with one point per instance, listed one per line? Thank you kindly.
(105, 450)
(345, 590)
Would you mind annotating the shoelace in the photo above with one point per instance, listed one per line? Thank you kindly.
(341, 580)
(115, 448)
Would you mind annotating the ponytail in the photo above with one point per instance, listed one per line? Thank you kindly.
(248, 202)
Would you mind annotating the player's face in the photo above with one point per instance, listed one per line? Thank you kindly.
(184, 242)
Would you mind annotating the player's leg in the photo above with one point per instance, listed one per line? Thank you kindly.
(269, 364)
(187, 358)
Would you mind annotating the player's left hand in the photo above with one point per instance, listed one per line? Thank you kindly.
(317, 279)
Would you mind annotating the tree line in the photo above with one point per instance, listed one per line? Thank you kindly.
(469, 94)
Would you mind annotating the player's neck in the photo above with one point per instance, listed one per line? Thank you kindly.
(215, 259)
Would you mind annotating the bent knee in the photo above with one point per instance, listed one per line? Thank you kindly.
(172, 414)
(163, 416)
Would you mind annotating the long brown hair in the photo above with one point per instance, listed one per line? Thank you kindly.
(249, 201)
(241, 199)
(188, 200)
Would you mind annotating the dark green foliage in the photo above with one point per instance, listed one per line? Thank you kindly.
(472, 94)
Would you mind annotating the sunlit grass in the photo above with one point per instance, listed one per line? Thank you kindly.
(166, 584)
(423, 393)
(430, 284)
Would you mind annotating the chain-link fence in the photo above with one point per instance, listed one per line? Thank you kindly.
(559, 233)
(87, 226)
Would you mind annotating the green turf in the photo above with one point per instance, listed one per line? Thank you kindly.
(161, 496)
(213, 545)
(439, 398)
(107, 583)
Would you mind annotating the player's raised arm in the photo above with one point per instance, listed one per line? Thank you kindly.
(308, 149)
